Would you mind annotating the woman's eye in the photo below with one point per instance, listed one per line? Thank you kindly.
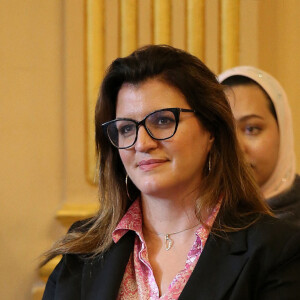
(127, 129)
(164, 121)
(252, 130)
(161, 120)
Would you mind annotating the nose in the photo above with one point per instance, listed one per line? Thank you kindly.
(144, 141)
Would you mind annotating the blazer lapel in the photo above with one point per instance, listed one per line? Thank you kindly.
(219, 265)
(102, 277)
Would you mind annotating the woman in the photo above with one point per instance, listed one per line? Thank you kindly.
(265, 132)
(180, 216)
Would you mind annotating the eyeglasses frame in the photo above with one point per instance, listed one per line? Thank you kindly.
(176, 111)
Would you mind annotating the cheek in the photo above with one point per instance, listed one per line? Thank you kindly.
(272, 149)
(257, 151)
(181, 146)
(125, 157)
(192, 148)
(265, 149)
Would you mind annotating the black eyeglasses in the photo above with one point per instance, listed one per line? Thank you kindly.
(160, 125)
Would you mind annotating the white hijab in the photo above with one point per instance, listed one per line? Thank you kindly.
(284, 173)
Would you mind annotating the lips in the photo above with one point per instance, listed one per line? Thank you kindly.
(150, 164)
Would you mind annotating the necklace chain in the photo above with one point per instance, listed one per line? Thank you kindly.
(168, 241)
(177, 231)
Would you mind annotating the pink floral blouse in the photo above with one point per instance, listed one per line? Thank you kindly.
(138, 281)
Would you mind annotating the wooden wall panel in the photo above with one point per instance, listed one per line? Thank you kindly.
(95, 41)
(196, 27)
(162, 21)
(229, 37)
(128, 23)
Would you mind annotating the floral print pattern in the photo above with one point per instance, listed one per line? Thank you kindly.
(138, 281)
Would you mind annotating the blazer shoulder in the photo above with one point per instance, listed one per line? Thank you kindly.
(65, 281)
(272, 226)
(274, 239)
(81, 226)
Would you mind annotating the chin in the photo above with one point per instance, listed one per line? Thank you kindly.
(152, 188)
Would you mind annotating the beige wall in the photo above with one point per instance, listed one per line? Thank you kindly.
(42, 132)
(42, 113)
(31, 139)
(279, 47)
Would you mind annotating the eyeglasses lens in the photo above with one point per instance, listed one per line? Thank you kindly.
(160, 125)
(122, 133)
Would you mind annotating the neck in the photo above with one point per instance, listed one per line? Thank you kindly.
(159, 214)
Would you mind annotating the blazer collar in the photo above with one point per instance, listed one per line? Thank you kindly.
(102, 277)
(219, 265)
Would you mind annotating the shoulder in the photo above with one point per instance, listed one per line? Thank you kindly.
(274, 240)
(287, 204)
(74, 270)
(82, 225)
(65, 280)
(269, 228)
(274, 256)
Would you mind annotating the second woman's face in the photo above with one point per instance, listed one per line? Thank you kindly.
(165, 168)
(257, 129)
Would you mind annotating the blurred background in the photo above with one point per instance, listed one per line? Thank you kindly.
(52, 56)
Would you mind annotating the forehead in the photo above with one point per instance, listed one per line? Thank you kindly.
(137, 100)
(247, 100)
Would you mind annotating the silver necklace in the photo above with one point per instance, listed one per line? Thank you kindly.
(168, 241)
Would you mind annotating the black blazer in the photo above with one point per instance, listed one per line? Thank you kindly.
(261, 262)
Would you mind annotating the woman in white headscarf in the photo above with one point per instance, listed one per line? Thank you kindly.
(265, 132)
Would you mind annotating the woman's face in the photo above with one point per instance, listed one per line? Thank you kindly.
(257, 129)
(166, 168)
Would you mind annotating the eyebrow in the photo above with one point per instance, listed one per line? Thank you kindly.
(247, 117)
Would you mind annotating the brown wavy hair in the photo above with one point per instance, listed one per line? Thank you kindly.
(229, 178)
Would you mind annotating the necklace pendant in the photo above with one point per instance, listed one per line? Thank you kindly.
(169, 242)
